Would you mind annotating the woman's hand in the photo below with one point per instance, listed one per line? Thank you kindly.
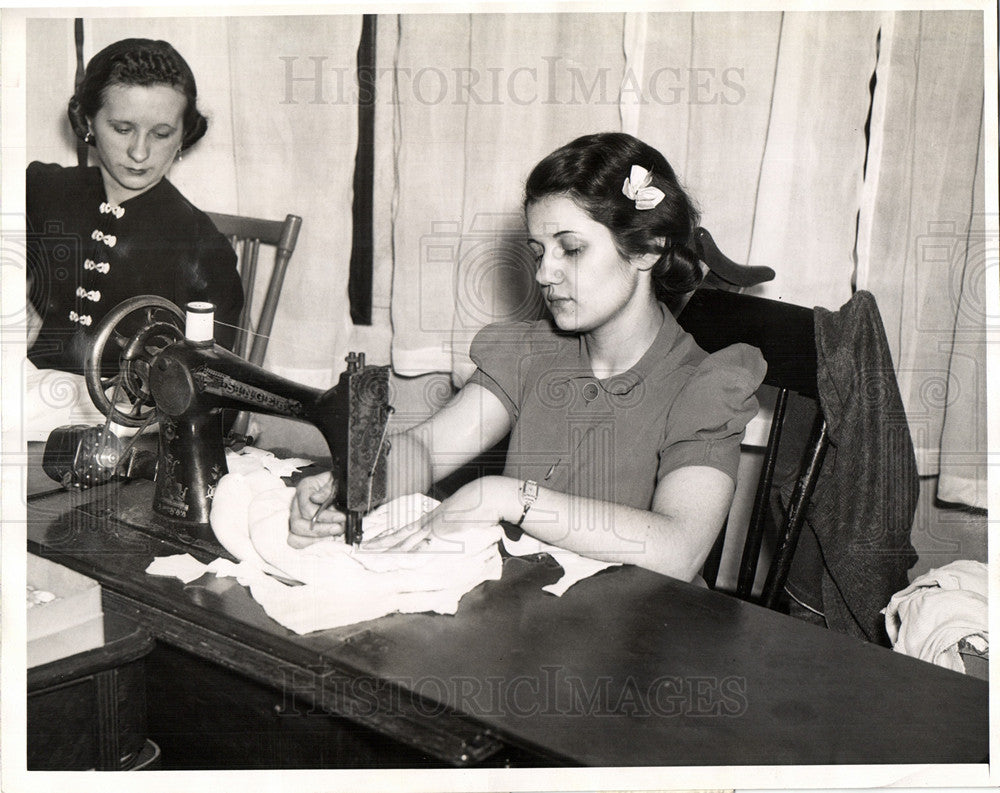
(473, 504)
(310, 494)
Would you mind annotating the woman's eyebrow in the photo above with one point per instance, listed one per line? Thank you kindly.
(557, 235)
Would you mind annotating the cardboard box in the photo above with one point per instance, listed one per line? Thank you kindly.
(72, 623)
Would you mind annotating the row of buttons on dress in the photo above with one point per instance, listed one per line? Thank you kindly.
(110, 240)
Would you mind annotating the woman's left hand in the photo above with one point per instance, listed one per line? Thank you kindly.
(471, 504)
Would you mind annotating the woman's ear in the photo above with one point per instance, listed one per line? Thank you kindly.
(648, 260)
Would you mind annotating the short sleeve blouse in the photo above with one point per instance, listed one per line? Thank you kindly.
(615, 439)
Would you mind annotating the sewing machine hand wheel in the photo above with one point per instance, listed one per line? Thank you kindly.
(137, 329)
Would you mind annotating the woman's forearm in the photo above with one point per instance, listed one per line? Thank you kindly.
(599, 529)
(409, 465)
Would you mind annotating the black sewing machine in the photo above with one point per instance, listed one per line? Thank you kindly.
(154, 371)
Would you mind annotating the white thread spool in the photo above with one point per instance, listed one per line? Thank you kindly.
(199, 321)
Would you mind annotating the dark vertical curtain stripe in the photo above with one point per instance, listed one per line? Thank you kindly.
(81, 147)
(359, 286)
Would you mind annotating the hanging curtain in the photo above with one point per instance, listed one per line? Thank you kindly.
(295, 120)
(473, 115)
(279, 95)
(804, 223)
(762, 116)
(715, 76)
(923, 237)
(50, 66)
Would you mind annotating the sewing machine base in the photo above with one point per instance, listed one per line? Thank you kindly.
(132, 505)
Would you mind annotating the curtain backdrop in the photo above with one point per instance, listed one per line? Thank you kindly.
(282, 107)
(480, 98)
(764, 117)
(924, 241)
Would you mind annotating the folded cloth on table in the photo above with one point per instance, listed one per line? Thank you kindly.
(340, 584)
(939, 609)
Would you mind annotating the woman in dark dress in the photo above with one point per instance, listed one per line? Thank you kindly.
(99, 235)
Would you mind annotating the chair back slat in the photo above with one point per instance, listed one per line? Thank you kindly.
(783, 332)
(247, 251)
(246, 235)
(755, 529)
(785, 335)
(246, 228)
(777, 574)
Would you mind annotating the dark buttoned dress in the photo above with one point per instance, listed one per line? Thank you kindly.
(86, 255)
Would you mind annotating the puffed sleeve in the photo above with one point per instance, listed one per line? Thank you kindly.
(706, 422)
(216, 280)
(497, 351)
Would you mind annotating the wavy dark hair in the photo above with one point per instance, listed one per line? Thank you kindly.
(592, 169)
(141, 62)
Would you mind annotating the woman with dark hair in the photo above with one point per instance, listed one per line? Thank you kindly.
(99, 235)
(624, 435)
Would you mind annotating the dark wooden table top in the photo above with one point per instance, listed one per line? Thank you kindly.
(627, 668)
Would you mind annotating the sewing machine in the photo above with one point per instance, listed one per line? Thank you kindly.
(183, 380)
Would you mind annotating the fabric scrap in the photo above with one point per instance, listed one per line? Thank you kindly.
(946, 605)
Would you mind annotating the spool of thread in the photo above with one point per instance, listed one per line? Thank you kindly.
(199, 322)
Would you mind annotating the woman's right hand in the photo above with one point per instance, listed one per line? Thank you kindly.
(310, 494)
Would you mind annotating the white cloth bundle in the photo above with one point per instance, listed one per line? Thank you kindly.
(933, 614)
(340, 584)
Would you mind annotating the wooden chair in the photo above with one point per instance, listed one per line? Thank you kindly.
(785, 336)
(247, 235)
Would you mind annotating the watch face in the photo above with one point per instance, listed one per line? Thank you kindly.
(529, 491)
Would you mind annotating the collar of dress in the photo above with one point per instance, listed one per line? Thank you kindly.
(574, 359)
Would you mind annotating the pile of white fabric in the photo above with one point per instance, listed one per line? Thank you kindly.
(938, 611)
(329, 583)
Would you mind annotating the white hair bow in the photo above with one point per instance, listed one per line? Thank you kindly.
(638, 187)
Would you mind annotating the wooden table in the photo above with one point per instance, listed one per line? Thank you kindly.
(628, 668)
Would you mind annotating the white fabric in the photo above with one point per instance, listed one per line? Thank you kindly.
(933, 614)
(182, 565)
(342, 585)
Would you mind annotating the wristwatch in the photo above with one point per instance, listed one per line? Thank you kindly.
(528, 494)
